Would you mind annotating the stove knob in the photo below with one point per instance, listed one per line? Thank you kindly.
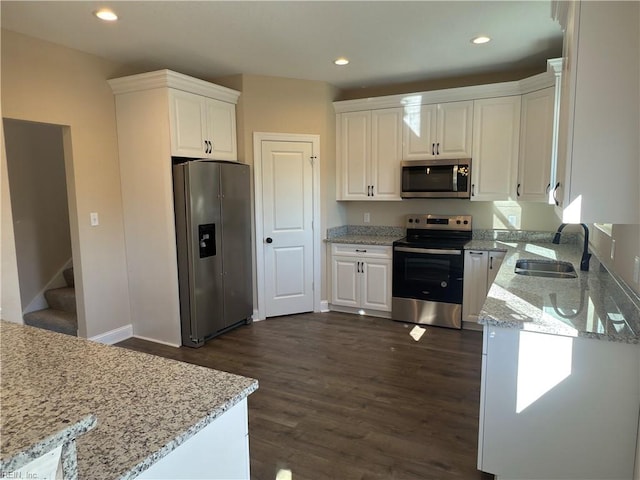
(458, 222)
(411, 220)
(466, 222)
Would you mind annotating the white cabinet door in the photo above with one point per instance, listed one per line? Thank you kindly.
(188, 119)
(419, 131)
(386, 151)
(221, 129)
(536, 136)
(437, 131)
(355, 151)
(345, 281)
(376, 285)
(550, 402)
(455, 120)
(496, 133)
(474, 292)
(370, 144)
(599, 117)
(495, 261)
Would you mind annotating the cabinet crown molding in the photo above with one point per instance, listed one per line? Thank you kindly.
(170, 79)
(474, 92)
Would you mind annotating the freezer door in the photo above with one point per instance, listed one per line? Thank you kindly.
(236, 242)
(203, 227)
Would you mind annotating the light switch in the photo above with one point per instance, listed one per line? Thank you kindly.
(367, 218)
(94, 219)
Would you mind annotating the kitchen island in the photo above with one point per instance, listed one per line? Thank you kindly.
(560, 390)
(125, 411)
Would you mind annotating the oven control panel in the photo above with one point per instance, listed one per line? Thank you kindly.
(438, 222)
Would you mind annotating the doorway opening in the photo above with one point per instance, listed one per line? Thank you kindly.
(40, 208)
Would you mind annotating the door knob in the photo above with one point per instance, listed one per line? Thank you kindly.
(269, 240)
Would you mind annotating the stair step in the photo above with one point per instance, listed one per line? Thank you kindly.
(68, 277)
(62, 299)
(53, 320)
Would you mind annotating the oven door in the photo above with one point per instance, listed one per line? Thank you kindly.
(434, 275)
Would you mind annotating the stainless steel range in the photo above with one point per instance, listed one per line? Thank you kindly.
(428, 270)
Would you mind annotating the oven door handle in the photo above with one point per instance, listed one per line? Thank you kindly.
(432, 251)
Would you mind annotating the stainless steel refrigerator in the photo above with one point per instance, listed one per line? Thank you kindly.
(213, 234)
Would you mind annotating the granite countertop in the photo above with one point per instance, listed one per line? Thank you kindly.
(593, 305)
(141, 406)
(383, 240)
(365, 235)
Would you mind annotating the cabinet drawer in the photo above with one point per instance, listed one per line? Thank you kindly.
(371, 251)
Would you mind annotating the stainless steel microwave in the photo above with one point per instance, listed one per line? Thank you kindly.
(440, 178)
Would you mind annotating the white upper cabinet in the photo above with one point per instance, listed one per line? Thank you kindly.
(202, 127)
(369, 151)
(496, 133)
(598, 146)
(437, 131)
(536, 146)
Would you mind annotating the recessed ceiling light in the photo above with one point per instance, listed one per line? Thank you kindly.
(341, 61)
(106, 14)
(480, 39)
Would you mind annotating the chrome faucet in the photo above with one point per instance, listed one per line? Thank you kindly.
(586, 256)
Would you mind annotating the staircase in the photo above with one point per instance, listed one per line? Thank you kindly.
(61, 315)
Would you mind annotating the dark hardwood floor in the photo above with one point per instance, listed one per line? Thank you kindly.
(349, 397)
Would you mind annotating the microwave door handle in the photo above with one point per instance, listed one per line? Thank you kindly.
(455, 178)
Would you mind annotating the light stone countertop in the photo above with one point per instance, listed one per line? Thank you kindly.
(145, 406)
(382, 240)
(594, 305)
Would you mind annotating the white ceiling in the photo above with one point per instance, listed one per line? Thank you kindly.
(388, 42)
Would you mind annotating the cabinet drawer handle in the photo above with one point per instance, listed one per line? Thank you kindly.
(518, 190)
(433, 149)
(476, 253)
(473, 189)
(438, 148)
(361, 251)
(372, 192)
(490, 262)
(546, 190)
(555, 199)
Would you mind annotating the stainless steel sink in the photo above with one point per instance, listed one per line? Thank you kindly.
(545, 268)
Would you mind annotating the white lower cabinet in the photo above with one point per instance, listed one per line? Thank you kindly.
(480, 270)
(218, 451)
(361, 278)
(556, 407)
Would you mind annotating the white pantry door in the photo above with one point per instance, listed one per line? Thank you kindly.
(287, 207)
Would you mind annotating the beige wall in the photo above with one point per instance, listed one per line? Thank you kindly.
(439, 83)
(627, 247)
(10, 304)
(47, 83)
(486, 215)
(35, 161)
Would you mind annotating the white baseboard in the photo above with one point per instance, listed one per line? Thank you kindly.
(155, 340)
(324, 306)
(256, 316)
(114, 336)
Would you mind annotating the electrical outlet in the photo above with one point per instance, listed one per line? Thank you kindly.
(367, 217)
(94, 219)
(636, 269)
(613, 248)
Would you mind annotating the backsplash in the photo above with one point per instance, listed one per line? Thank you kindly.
(522, 236)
